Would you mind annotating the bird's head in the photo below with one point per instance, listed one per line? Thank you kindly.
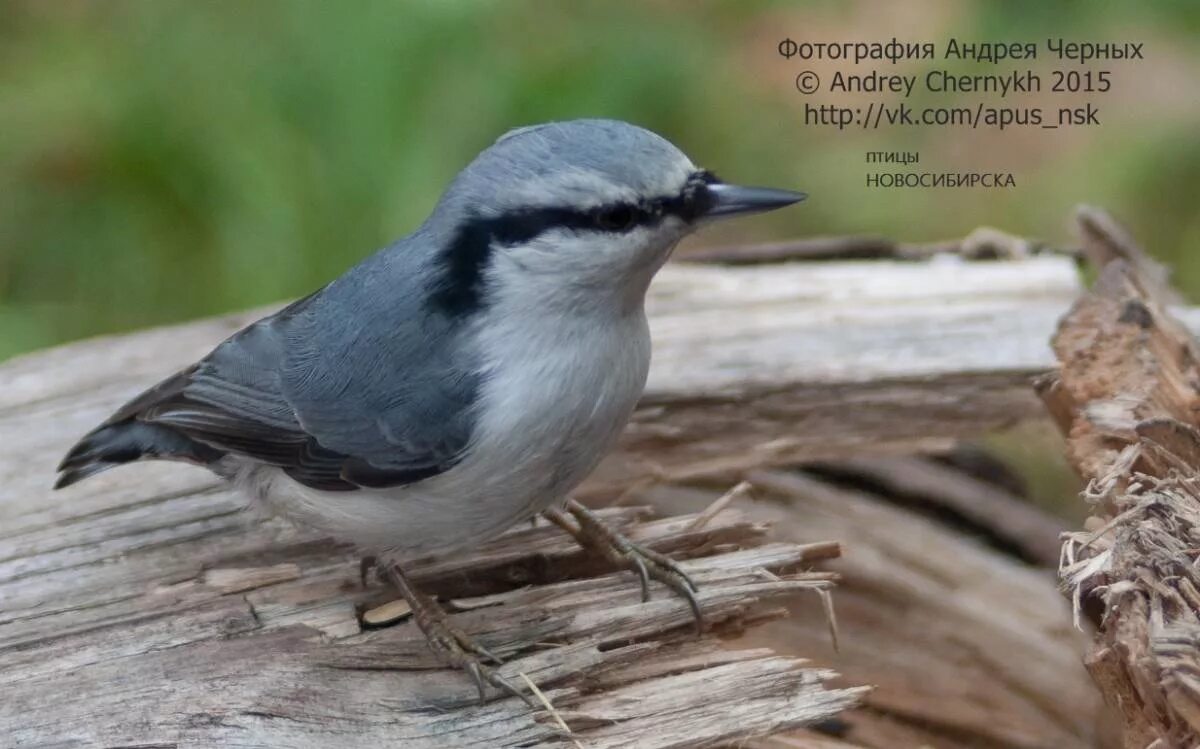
(581, 212)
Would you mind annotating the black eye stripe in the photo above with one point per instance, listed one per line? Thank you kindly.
(521, 226)
(689, 204)
(456, 288)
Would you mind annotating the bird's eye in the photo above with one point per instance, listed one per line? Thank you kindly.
(616, 218)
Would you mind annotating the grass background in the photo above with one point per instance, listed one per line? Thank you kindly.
(162, 160)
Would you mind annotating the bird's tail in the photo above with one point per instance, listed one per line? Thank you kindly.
(111, 445)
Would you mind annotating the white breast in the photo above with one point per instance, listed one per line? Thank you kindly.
(552, 408)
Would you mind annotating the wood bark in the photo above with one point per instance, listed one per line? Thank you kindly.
(1127, 395)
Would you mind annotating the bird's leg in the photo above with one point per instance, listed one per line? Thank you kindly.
(448, 641)
(595, 535)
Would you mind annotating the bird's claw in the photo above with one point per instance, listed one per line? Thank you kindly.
(592, 533)
(453, 645)
(655, 565)
(461, 651)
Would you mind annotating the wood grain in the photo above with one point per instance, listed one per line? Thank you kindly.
(144, 607)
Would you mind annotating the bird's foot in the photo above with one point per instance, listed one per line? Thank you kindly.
(452, 644)
(594, 534)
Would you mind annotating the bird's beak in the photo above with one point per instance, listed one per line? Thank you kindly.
(735, 200)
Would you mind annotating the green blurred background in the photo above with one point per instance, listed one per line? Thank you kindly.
(161, 161)
(164, 160)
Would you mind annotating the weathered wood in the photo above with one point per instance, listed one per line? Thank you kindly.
(143, 586)
(220, 644)
(1102, 240)
(982, 244)
(1127, 397)
(753, 364)
(783, 364)
(979, 507)
(965, 645)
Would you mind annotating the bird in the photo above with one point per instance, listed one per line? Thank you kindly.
(461, 380)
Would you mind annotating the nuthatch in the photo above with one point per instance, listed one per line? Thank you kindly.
(461, 380)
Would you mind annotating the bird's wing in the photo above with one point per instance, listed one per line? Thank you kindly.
(313, 391)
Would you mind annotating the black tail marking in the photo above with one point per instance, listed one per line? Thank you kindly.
(112, 445)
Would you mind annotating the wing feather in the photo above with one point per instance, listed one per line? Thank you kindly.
(336, 402)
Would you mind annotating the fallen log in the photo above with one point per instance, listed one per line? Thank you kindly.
(143, 588)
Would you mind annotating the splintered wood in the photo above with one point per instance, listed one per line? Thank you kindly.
(144, 607)
(964, 645)
(206, 639)
(1127, 396)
